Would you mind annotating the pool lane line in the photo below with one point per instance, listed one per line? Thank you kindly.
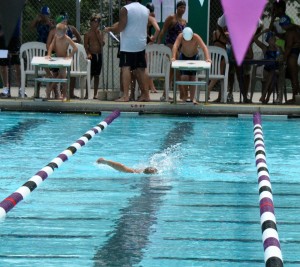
(8, 203)
(270, 237)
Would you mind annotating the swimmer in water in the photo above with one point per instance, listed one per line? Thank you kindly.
(122, 168)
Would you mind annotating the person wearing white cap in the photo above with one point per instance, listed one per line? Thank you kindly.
(188, 42)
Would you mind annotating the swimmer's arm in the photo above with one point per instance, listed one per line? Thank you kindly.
(176, 46)
(121, 24)
(50, 49)
(260, 44)
(74, 50)
(202, 45)
(116, 165)
(167, 24)
(153, 22)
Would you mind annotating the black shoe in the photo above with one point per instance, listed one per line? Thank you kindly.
(2, 95)
(230, 99)
(247, 101)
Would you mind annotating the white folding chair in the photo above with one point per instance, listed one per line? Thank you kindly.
(81, 68)
(159, 63)
(216, 55)
(27, 52)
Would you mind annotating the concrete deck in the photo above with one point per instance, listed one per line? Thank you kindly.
(153, 107)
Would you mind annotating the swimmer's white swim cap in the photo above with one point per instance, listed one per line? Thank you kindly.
(187, 34)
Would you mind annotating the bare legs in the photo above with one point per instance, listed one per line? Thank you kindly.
(292, 68)
(192, 88)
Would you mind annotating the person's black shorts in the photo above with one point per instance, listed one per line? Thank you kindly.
(96, 64)
(133, 60)
(188, 72)
(14, 50)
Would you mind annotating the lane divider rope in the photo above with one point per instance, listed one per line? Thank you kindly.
(8, 203)
(270, 237)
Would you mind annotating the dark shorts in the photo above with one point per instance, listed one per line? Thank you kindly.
(133, 60)
(96, 64)
(14, 50)
(188, 72)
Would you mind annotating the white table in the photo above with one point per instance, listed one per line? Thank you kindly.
(55, 62)
(191, 65)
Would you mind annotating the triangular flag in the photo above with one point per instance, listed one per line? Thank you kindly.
(242, 18)
(10, 11)
(201, 2)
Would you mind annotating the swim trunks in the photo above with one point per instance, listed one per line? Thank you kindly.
(96, 64)
(133, 60)
(188, 72)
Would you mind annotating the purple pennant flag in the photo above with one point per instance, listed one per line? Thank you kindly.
(242, 17)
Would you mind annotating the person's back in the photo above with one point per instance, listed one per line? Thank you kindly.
(134, 36)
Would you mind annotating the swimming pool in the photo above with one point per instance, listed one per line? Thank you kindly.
(201, 209)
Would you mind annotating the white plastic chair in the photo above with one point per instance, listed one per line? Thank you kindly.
(216, 55)
(81, 68)
(27, 52)
(159, 63)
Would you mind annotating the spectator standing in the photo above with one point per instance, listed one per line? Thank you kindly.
(220, 39)
(12, 60)
(151, 39)
(270, 73)
(291, 52)
(43, 24)
(173, 26)
(132, 26)
(93, 44)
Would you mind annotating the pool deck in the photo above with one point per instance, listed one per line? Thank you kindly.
(153, 107)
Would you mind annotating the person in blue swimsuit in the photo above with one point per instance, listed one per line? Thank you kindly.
(43, 24)
(271, 70)
(173, 26)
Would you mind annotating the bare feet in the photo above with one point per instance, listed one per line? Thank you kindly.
(122, 99)
(143, 99)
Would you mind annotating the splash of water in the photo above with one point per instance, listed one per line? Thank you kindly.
(166, 160)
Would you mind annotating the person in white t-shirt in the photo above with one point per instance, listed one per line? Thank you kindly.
(132, 26)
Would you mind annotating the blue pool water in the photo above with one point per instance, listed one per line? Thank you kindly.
(201, 209)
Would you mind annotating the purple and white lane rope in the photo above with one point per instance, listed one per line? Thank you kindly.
(8, 203)
(270, 238)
